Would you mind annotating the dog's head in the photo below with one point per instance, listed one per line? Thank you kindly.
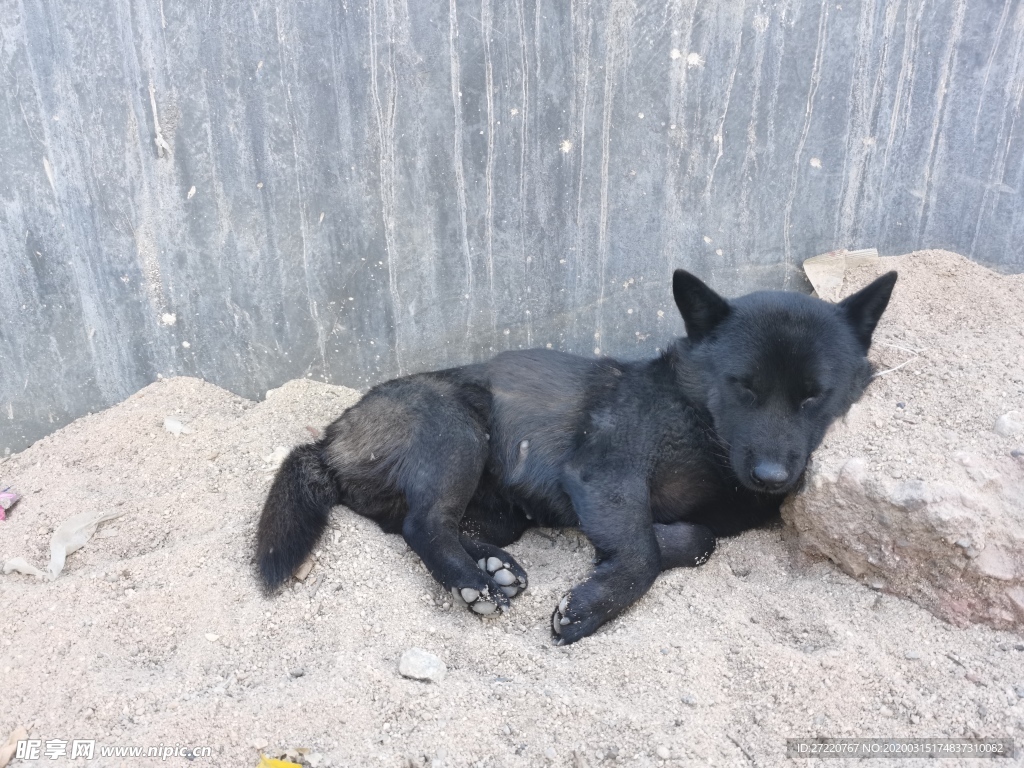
(777, 369)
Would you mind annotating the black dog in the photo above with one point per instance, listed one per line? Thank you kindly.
(652, 459)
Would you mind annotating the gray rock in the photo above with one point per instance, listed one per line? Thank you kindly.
(419, 664)
(1010, 424)
(953, 545)
(912, 655)
(296, 671)
(690, 699)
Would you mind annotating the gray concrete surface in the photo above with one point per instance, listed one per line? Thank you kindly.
(251, 192)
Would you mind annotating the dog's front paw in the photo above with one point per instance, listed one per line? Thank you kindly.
(510, 577)
(574, 618)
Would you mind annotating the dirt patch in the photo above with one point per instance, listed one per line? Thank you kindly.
(156, 632)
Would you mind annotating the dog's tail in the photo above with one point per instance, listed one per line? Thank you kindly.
(295, 514)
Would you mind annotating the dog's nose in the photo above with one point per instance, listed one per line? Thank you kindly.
(769, 475)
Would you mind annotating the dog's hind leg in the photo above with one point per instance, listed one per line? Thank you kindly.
(439, 476)
(614, 513)
(491, 522)
(684, 545)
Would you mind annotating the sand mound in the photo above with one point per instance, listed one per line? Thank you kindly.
(156, 632)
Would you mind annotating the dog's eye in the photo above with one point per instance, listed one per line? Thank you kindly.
(810, 399)
(744, 387)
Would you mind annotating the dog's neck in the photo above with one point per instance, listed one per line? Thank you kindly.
(686, 375)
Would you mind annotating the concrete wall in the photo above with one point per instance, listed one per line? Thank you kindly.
(255, 191)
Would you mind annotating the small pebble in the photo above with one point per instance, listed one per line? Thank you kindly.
(550, 753)
(662, 752)
(212, 637)
(690, 699)
(1009, 424)
(296, 672)
(912, 655)
(419, 664)
(1019, 690)
(175, 427)
(740, 569)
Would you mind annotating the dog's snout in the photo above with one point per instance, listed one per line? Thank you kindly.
(769, 475)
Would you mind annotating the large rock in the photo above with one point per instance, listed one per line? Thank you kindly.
(916, 492)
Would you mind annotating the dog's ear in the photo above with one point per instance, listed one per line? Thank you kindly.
(702, 309)
(863, 309)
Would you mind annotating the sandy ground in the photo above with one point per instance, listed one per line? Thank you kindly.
(156, 632)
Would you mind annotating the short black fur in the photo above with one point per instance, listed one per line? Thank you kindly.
(652, 460)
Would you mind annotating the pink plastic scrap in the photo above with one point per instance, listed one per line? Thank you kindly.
(8, 498)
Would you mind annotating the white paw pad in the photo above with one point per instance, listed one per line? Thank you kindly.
(479, 601)
(502, 573)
